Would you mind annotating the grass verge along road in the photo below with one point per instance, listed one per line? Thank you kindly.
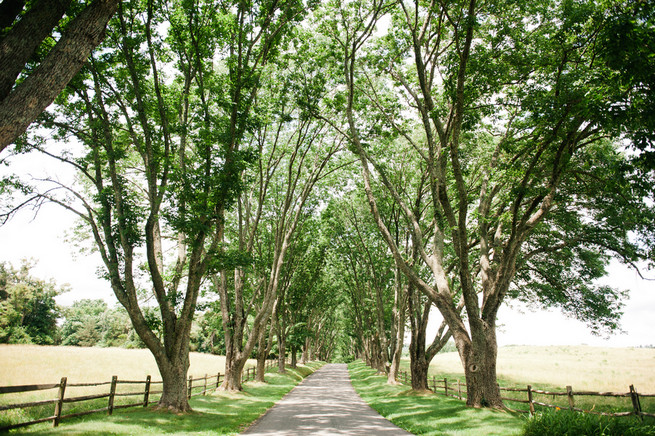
(428, 414)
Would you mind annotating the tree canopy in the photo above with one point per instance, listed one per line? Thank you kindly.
(322, 174)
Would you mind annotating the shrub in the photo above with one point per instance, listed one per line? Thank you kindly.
(562, 423)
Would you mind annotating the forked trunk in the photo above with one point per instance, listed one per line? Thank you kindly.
(233, 371)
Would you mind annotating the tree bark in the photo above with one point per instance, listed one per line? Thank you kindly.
(479, 363)
(399, 312)
(174, 375)
(27, 100)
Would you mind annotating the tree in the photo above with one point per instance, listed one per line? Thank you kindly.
(162, 158)
(510, 106)
(33, 74)
(28, 310)
(295, 152)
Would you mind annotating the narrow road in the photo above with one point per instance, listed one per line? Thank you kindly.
(325, 403)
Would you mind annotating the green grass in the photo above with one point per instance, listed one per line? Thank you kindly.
(216, 414)
(428, 414)
(512, 379)
(558, 423)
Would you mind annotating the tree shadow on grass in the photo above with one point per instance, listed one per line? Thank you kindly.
(218, 413)
(429, 414)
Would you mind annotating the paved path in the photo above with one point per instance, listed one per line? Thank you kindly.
(325, 403)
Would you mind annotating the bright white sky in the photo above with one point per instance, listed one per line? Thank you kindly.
(43, 238)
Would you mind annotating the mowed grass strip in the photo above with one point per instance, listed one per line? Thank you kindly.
(219, 413)
(429, 414)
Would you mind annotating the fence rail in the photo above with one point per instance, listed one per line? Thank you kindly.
(196, 386)
(458, 390)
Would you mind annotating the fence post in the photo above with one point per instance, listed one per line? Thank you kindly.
(204, 390)
(434, 383)
(530, 403)
(146, 394)
(459, 389)
(190, 387)
(218, 380)
(635, 402)
(60, 401)
(112, 394)
(569, 393)
(445, 386)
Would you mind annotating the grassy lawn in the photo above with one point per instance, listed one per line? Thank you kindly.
(216, 414)
(552, 368)
(429, 414)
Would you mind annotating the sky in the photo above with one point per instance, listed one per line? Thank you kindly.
(44, 238)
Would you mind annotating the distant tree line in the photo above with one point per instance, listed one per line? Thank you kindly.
(29, 314)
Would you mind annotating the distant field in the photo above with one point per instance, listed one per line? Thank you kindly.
(584, 368)
(34, 364)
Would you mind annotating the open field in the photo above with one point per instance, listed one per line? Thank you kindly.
(34, 364)
(584, 368)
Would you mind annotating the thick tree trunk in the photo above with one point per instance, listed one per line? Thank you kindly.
(174, 396)
(282, 354)
(418, 362)
(233, 372)
(294, 358)
(262, 353)
(479, 360)
(305, 351)
(392, 377)
(399, 311)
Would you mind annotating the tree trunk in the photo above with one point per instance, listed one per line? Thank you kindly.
(479, 361)
(294, 359)
(399, 311)
(418, 363)
(174, 376)
(262, 353)
(282, 354)
(233, 372)
(27, 100)
(305, 351)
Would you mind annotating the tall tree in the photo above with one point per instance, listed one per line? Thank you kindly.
(511, 103)
(296, 153)
(163, 155)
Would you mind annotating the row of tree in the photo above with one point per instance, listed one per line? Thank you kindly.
(29, 314)
(313, 168)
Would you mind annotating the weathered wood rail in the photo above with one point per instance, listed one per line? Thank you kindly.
(457, 390)
(196, 386)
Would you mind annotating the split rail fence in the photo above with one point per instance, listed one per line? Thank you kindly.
(457, 389)
(196, 386)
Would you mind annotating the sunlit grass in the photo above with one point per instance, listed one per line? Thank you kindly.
(216, 414)
(35, 364)
(427, 414)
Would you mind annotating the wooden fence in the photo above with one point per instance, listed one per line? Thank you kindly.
(196, 386)
(458, 390)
